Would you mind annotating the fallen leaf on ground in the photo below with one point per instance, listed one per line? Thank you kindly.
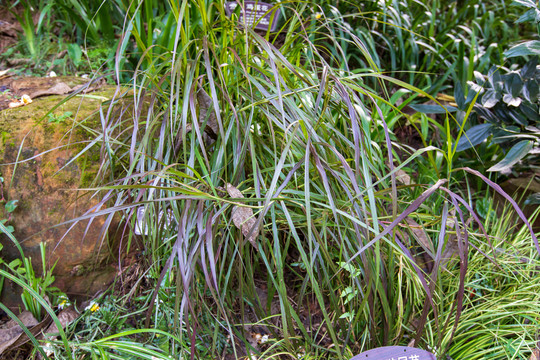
(58, 89)
(65, 317)
(11, 331)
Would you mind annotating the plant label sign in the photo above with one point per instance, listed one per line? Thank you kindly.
(258, 14)
(395, 353)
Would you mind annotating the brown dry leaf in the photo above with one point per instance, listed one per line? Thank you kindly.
(535, 354)
(58, 89)
(11, 331)
(66, 317)
(420, 235)
(243, 217)
(403, 177)
(451, 248)
(205, 104)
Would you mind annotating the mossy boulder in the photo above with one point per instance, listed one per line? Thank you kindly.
(42, 169)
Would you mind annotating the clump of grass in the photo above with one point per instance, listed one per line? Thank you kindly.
(308, 147)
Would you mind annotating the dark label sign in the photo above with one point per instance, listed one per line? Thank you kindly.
(256, 14)
(395, 353)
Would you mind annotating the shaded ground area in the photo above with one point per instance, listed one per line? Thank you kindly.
(9, 27)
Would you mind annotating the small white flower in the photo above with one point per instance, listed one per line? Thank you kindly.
(52, 74)
(93, 307)
(25, 99)
(63, 302)
(48, 349)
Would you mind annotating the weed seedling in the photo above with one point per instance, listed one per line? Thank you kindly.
(57, 119)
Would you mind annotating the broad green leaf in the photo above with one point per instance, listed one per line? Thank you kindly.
(531, 90)
(516, 153)
(530, 111)
(459, 96)
(526, 3)
(433, 109)
(479, 78)
(474, 136)
(511, 101)
(529, 69)
(495, 78)
(527, 48)
(513, 84)
(486, 114)
(490, 98)
(483, 208)
(502, 135)
(530, 15)
(11, 205)
(475, 89)
(518, 117)
(75, 54)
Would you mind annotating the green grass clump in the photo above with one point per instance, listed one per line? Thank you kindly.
(265, 171)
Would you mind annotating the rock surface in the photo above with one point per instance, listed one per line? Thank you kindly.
(41, 170)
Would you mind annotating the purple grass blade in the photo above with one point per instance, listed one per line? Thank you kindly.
(433, 280)
(463, 247)
(211, 258)
(497, 188)
(478, 221)
(415, 205)
(390, 157)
